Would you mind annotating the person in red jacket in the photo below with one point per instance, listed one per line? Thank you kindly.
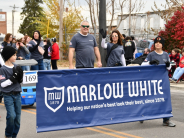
(179, 70)
(54, 54)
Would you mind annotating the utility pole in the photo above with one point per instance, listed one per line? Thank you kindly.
(61, 28)
(102, 25)
(13, 11)
(130, 17)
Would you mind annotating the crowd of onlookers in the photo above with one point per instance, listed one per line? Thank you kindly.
(45, 52)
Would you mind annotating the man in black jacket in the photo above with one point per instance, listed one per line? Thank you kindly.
(140, 59)
(129, 48)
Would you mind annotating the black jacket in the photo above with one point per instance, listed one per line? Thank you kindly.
(140, 59)
(129, 48)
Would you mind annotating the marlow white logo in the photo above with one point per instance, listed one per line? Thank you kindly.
(54, 98)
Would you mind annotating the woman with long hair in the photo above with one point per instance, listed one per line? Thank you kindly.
(36, 44)
(8, 41)
(115, 51)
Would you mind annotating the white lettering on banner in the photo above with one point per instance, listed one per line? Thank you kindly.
(131, 88)
(73, 96)
(160, 87)
(114, 92)
(110, 91)
(92, 93)
(99, 98)
(83, 94)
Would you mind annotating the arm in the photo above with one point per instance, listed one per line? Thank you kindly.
(97, 53)
(1, 60)
(123, 60)
(103, 44)
(25, 48)
(70, 57)
(6, 83)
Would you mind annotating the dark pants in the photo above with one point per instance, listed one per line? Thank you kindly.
(1, 97)
(54, 64)
(13, 108)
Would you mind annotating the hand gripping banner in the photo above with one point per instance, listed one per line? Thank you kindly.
(89, 97)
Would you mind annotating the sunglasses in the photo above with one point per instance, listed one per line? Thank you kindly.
(85, 26)
(114, 35)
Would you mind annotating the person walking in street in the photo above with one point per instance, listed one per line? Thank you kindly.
(85, 46)
(159, 57)
(54, 54)
(47, 54)
(36, 49)
(11, 77)
(129, 48)
(115, 51)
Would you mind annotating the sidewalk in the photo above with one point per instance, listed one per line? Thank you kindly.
(179, 85)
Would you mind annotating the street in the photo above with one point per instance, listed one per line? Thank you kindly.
(149, 129)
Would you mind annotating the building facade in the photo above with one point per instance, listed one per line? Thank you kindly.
(3, 22)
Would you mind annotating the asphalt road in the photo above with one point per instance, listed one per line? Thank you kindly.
(149, 129)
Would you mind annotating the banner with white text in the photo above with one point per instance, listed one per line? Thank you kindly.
(77, 98)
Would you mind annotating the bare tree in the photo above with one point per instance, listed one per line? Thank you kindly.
(169, 8)
(113, 7)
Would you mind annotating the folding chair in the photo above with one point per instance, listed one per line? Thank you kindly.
(182, 77)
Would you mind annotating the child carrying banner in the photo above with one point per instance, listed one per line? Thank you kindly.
(159, 57)
(11, 77)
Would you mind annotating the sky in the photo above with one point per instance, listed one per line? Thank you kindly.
(5, 6)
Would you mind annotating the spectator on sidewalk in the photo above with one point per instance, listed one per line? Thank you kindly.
(21, 52)
(174, 58)
(11, 77)
(179, 70)
(115, 51)
(35, 44)
(159, 57)
(85, 46)
(54, 54)
(140, 59)
(129, 48)
(47, 54)
(8, 41)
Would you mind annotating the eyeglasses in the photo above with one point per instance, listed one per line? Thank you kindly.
(114, 35)
(85, 26)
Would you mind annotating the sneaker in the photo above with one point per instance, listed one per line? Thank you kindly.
(172, 80)
(169, 123)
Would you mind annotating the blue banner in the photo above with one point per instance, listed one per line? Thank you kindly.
(89, 97)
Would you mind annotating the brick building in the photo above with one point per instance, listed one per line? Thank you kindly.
(3, 22)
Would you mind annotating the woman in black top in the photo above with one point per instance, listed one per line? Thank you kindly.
(47, 54)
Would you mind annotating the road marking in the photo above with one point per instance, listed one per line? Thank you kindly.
(29, 111)
(103, 132)
(92, 129)
(126, 134)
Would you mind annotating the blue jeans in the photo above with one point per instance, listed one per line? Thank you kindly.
(39, 66)
(47, 64)
(178, 73)
(25, 68)
(13, 108)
